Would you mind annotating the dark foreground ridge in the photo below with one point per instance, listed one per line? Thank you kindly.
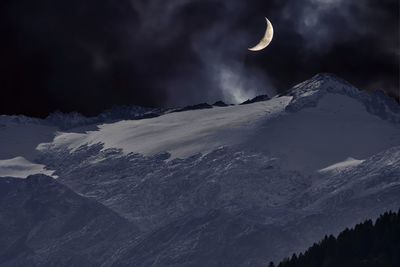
(44, 223)
(256, 99)
(194, 107)
(367, 244)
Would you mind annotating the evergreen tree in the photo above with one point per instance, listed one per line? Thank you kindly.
(366, 245)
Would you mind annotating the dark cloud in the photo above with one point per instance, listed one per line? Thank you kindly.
(88, 55)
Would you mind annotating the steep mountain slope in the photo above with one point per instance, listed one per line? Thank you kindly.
(234, 185)
(43, 223)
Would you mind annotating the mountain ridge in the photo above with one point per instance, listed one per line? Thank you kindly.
(44, 223)
(307, 94)
(228, 185)
(133, 112)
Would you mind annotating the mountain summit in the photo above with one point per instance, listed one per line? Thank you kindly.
(308, 93)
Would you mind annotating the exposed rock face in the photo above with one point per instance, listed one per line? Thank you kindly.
(256, 99)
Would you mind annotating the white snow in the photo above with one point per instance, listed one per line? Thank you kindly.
(19, 167)
(181, 134)
(309, 139)
(320, 132)
(21, 139)
(315, 137)
(346, 163)
(340, 166)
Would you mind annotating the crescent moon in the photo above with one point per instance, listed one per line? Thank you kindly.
(266, 40)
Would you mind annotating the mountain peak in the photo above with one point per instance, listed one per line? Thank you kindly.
(308, 93)
(326, 76)
(323, 82)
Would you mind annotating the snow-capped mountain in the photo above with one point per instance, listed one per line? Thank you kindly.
(221, 185)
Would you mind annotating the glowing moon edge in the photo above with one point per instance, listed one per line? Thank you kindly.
(267, 38)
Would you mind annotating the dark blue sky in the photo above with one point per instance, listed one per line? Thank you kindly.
(89, 55)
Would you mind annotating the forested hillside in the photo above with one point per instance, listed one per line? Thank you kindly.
(367, 244)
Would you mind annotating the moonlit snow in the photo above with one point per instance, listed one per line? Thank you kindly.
(182, 134)
(338, 127)
(19, 167)
(226, 186)
(348, 163)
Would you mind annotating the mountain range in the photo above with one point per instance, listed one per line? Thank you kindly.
(205, 185)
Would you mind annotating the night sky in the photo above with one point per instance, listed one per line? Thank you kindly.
(90, 55)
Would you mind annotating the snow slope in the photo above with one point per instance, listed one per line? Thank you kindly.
(19, 167)
(182, 134)
(336, 128)
(321, 123)
(44, 223)
(341, 166)
(222, 186)
(19, 138)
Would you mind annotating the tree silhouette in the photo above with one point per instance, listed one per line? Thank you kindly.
(366, 245)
